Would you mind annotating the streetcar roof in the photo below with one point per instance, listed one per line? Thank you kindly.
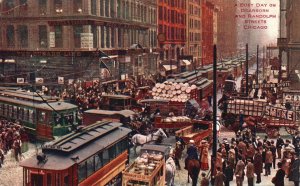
(80, 145)
(116, 96)
(125, 113)
(154, 100)
(57, 105)
(26, 95)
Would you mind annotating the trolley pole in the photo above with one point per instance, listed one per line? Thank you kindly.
(215, 140)
(247, 78)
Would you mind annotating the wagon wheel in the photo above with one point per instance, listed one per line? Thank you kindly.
(291, 130)
(272, 132)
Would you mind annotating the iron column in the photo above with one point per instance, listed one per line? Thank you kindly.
(215, 140)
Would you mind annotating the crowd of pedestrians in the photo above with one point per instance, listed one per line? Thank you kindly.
(251, 157)
(11, 136)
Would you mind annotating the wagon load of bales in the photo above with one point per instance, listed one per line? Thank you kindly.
(177, 92)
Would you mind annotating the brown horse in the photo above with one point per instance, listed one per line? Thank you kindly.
(193, 167)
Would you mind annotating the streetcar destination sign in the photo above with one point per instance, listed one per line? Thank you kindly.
(271, 85)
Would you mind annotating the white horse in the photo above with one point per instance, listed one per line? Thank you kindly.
(170, 171)
(139, 139)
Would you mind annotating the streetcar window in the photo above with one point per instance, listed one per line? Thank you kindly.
(112, 152)
(21, 113)
(1, 109)
(42, 116)
(105, 156)
(82, 171)
(10, 111)
(36, 179)
(49, 179)
(31, 116)
(98, 161)
(119, 148)
(15, 113)
(90, 166)
(26, 114)
(66, 180)
(4, 109)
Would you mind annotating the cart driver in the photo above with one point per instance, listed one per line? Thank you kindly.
(192, 152)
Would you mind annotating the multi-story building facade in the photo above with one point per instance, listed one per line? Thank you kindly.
(112, 26)
(291, 43)
(172, 31)
(207, 32)
(194, 30)
(227, 27)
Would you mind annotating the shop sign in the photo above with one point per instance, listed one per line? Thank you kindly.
(293, 98)
(271, 85)
(86, 40)
(52, 39)
(282, 113)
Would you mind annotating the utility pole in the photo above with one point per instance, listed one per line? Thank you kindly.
(215, 139)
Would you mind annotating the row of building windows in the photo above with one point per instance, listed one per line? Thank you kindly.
(100, 159)
(195, 10)
(195, 36)
(171, 16)
(174, 3)
(123, 9)
(173, 33)
(103, 37)
(194, 24)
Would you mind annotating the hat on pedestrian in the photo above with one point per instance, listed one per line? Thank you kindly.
(192, 141)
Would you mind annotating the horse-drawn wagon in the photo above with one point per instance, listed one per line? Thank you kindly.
(197, 132)
(259, 115)
(146, 170)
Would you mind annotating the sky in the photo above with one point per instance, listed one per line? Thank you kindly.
(270, 34)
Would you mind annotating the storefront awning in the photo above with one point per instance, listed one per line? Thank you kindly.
(170, 67)
(185, 62)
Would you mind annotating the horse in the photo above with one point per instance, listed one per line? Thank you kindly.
(193, 167)
(170, 171)
(139, 139)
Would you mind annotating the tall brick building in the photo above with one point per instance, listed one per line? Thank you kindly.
(172, 30)
(194, 31)
(116, 27)
(227, 27)
(207, 32)
(291, 43)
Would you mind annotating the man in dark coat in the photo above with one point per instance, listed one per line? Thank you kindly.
(279, 144)
(294, 172)
(228, 172)
(278, 180)
(273, 150)
(258, 165)
(192, 153)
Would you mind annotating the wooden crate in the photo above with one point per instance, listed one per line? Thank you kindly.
(156, 177)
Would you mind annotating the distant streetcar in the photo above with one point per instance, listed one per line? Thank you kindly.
(43, 117)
